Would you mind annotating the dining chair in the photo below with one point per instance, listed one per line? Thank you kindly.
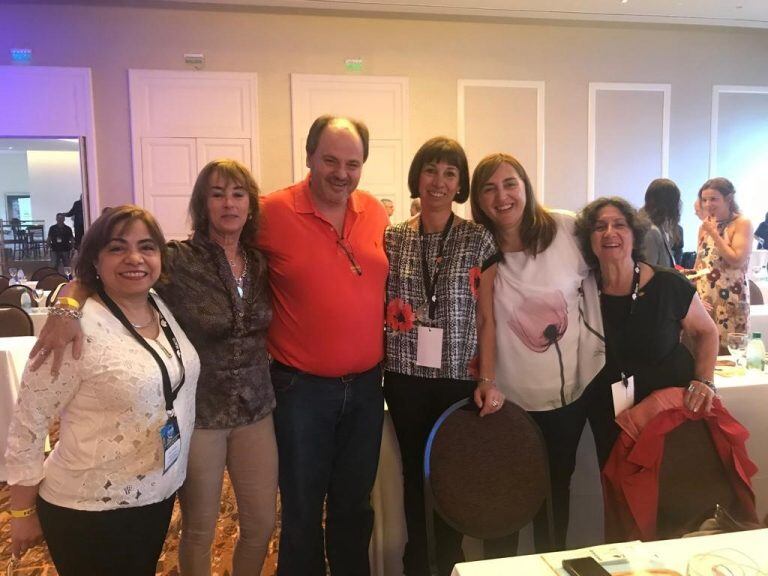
(51, 281)
(692, 481)
(671, 467)
(4, 282)
(51, 300)
(486, 477)
(36, 245)
(755, 294)
(14, 322)
(18, 243)
(42, 272)
(13, 294)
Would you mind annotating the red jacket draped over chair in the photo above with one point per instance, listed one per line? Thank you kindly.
(631, 474)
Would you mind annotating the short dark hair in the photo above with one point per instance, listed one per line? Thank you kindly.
(103, 230)
(726, 188)
(537, 228)
(440, 149)
(322, 122)
(585, 225)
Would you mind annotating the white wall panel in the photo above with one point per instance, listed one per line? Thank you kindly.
(740, 145)
(628, 138)
(504, 116)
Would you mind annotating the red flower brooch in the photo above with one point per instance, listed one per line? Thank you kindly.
(400, 316)
(474, 280)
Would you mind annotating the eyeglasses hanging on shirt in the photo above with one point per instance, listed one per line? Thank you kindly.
(344, 244)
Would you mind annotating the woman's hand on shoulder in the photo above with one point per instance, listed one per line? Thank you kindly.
(57, 332)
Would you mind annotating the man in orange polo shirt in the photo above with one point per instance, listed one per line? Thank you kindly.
(323, 240)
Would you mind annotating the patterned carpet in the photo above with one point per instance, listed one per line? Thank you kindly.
(37, 562)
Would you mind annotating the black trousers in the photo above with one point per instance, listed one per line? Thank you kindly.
(121, 542)
(415, 404)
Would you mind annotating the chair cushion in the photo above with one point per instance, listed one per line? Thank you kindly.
(489, 476)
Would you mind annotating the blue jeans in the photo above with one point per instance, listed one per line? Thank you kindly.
(328, 439)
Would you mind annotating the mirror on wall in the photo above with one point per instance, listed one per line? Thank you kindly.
(39, 178)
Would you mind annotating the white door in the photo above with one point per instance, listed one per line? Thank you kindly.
(169, 169)
(379, 101)
(180, 120)
(214, 148)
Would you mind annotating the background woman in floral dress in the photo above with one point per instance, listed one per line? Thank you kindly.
(724, 247)
(434, 271)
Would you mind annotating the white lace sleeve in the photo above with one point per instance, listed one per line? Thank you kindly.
(41, 398)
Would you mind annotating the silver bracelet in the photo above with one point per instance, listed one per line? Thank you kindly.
(63, 312)
(708, 383)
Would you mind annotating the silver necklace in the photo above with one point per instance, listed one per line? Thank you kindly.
(155, 340)
(140, 326)
(239, 280)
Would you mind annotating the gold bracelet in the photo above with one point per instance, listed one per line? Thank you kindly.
(482, 380)
(26, 512)
(66, 301)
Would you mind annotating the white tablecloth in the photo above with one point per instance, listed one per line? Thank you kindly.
(38, 316)
(746, 397)
(671, 554)
(13, 358)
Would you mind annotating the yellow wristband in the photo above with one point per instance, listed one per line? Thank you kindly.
(68, 302)
(23, 513)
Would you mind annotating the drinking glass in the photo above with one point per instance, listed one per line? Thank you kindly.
(67, 272)
(12, 272)
(40, 297)
(737, 346)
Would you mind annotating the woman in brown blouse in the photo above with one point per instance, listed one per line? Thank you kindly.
(217, 291)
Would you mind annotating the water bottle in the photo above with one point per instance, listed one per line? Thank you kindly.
(25, 301)
(756, 353)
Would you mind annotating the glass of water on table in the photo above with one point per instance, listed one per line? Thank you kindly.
(737, 346)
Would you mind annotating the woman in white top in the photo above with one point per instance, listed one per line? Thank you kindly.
(104, 496)
(532, 342)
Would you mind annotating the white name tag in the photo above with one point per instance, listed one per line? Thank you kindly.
(429, 347)
(623, 396)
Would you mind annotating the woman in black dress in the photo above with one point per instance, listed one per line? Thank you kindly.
(645, 310)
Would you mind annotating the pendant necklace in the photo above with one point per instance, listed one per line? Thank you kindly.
(239, 280)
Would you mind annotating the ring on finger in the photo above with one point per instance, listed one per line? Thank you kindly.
(495, 403)
(44, 351)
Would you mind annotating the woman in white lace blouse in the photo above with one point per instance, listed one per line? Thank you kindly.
(104, 496)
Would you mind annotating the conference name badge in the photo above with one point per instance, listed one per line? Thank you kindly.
(429, 347)
(171, 438)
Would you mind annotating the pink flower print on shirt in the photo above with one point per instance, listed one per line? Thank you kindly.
(540, 321)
